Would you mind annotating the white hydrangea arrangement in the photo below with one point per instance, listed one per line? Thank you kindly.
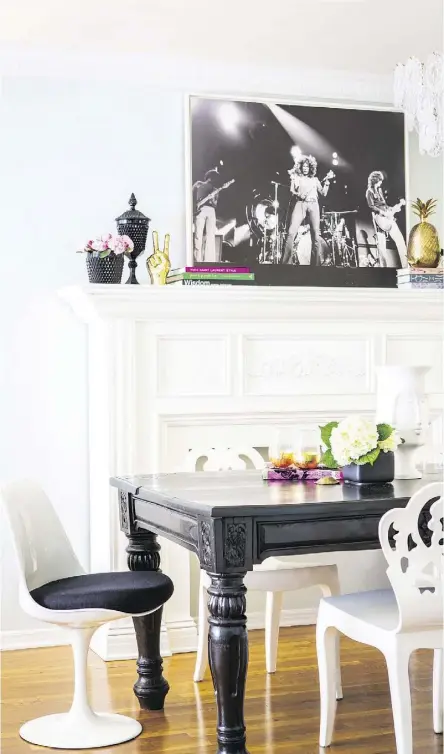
(356, 440)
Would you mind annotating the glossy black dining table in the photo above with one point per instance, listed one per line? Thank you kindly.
(233, 520)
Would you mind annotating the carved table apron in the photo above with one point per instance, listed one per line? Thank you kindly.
(233, 520)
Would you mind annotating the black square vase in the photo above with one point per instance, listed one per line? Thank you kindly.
(383, 470)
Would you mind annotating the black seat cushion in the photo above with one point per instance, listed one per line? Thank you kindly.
(129, 592)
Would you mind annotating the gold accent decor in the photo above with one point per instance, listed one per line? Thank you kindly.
(327, 480)
(424, 247)
(159, 263)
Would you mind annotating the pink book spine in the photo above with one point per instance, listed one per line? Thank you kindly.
(233, 270)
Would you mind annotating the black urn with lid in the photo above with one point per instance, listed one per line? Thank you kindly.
(134, 224)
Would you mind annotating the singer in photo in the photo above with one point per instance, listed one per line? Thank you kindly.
(306, 187)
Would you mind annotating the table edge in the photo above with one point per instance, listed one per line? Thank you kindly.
(296, 510)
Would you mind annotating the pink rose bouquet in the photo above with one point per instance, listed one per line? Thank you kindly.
(102, 246)
(121, 245)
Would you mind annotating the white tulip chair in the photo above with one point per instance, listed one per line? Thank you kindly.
(54, 588)
(396, 621)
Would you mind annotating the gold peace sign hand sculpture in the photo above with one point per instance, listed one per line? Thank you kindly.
(159, 263)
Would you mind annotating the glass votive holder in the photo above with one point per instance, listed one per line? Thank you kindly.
(307, 448)
(281, 449)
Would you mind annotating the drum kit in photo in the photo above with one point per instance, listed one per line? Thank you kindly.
(268, 223)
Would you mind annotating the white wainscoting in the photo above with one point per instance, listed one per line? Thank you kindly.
(306, 364)
(172, 368)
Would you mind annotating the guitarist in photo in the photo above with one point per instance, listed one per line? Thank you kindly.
(384, 219)
(205, 198)
(204, 209)
(306, 187)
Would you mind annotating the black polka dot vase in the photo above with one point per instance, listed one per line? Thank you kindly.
(106, 270)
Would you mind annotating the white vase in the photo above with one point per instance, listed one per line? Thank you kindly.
(401, 402)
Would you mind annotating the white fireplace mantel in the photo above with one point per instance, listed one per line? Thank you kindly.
(171, 368)
(171, 302)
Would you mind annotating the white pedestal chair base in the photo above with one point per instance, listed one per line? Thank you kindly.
(81, 727)
(80, 731)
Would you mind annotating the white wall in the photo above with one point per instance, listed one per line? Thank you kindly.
(427, 180)
(74, 148)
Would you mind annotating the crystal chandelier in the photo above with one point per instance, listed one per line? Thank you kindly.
(419, 91)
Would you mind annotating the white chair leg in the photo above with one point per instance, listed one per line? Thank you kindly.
(398, 673)
(332, 589)
(202, 639)
(438, 700)
(326, 649)
(272, 617)
(338, 675)
(80, 728)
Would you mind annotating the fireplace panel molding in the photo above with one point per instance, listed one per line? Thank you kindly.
(197, 377)
(307, 364)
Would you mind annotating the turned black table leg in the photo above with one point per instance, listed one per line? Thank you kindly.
(228, 656)
(151, 687)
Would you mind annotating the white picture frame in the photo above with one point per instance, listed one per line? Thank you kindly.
(299, 104)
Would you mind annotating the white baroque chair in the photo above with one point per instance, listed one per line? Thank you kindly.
(275, 576)
(396, 621)
(54, 588)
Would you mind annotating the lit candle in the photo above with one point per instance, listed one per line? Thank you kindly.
(281, 451)
(283, 460)
(307, 457)
(307, 454)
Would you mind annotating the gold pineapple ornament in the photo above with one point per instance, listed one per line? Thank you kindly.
(423, 249)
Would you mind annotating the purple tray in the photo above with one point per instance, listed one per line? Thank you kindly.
(292, 474)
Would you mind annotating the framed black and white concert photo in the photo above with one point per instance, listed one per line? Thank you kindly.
(301, 194)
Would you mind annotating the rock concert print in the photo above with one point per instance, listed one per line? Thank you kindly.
(304, 194)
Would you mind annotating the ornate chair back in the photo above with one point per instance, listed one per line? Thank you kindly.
(223, 459)
(412, 540)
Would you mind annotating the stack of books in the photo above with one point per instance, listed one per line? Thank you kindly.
(211, 274)
(420, 277)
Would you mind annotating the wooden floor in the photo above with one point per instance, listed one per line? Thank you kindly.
(282, 711)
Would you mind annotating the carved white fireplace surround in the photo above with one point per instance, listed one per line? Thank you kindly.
(172, 368)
